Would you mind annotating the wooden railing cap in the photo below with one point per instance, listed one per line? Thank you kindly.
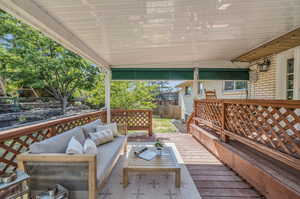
(262, 102)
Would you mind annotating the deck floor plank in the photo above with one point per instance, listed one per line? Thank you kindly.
(211, 173)
(213, 179)
(220, 192)
(221, 184)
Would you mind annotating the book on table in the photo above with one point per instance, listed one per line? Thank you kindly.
(146, 154)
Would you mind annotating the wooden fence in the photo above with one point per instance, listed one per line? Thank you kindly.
(269, 126)
(18, 140)
(168, 111)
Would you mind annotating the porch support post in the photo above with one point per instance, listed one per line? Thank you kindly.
(195, 83)
(107, 95)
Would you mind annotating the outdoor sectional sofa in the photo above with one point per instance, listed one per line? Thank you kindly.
(83, 175)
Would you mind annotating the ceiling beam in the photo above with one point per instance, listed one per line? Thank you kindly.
(32, 14)
(198, 64)
(276, 45)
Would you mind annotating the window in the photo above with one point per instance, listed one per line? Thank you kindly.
(240, 85)
(188, 90)
(229, 85)
(290, 79)
(235, 85)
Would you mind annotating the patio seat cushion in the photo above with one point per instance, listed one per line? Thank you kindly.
(91, 127)
(113, 127)
(107, 154)
(58, 143)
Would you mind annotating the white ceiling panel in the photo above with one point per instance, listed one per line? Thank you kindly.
(141, 32)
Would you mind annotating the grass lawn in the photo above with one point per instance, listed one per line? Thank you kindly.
(163, 125)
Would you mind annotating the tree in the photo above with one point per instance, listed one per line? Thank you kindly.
(31, 59)
(162, 86)
(124, 94)
(34, 60)
(6, 59)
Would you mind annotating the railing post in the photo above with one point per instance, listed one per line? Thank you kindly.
(150, 123)
(104, 116)
(190, 119)
(224, 137)
(52, 131)
(195, 109)
(126, 117)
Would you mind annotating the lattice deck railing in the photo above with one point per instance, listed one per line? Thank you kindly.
(18, 140)
(134, 119)
(270, 126)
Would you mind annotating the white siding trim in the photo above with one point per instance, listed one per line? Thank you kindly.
(297, 74)
(281, 71)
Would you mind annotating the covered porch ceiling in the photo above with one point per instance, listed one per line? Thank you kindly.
(159, 33)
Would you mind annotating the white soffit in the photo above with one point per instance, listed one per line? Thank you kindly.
(31, 13)
(170, 33)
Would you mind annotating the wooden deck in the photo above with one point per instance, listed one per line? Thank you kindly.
(213, 179)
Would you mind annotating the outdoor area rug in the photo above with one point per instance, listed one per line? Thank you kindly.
(160, 185)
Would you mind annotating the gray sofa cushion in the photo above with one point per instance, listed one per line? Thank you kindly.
(107, 154)
(91, 127)
(58, 143)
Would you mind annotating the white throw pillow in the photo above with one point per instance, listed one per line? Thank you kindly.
(102, 137)
(113, 127)
(90, 147)
(74, 147)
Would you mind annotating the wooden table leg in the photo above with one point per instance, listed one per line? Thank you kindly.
(125, 177)
(177, 178)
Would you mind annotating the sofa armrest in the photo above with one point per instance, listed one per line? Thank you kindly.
(87, 159)
(56, 157)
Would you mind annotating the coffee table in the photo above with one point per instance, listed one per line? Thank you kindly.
(167, 162)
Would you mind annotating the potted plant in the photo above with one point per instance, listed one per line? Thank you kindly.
(159, 146)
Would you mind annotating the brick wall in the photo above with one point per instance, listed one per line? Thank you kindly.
(264, 87)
